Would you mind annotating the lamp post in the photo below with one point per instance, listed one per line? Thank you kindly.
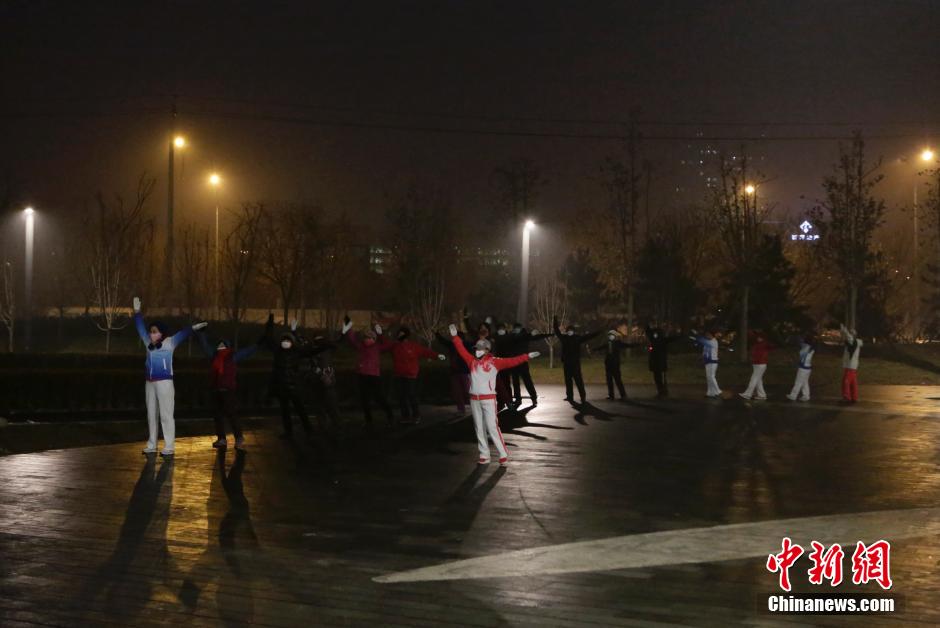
(176, 142)
(926, 156)
(215, 181)
(524, 279)
(30, 215)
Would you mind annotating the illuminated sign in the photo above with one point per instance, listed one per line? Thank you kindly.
(805, 227)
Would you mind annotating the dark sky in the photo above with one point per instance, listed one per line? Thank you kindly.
(88, 92)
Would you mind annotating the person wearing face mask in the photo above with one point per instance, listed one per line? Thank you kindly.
(760, 349)
(484, 368)
(223, 378)
(159, 391)
(709, 345)
(520, 339)
(285, 376)
(368, 367)
(658, 351)
(613, 349)
(804, 369)
(852, 346)
(406, 355)
(571, 358)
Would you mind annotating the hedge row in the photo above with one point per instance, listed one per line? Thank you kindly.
(92, 388)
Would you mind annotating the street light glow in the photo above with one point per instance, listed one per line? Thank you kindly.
(926, 155)
(29, 211)
(750, 189)
(179, 141)
(214, 179)
(529, 224)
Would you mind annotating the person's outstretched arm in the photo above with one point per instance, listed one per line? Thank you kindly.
(540, 336)
(267, 338)
(139, 323)
(508, 363)
(179, 337)
(246, 352)
(459, 346)
(590, 336)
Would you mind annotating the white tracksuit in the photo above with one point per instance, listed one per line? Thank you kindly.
(483, 396)
(710, 358)
(805, 369)
(161, 397)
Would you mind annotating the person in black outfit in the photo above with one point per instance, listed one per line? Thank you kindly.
(285, 378)
(571, 357)
(519, 339)
(459, 371)
(322, 377)
(658, 350)
(613, 349)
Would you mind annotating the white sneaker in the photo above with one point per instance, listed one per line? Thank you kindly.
(150, 450)
(764, 398)
(791, 397)
(743, 396)
(167, 452)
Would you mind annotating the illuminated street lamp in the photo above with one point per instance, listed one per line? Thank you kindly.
(29, 215)
(216, 181)
(177, 142)
(524, 282)
(749, 189)
(926, 155)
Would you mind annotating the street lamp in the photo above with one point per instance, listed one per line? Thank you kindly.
(176, 142)
(30, 215)
(524, 280)
(750, 189)
(926, 155)
(215, 181)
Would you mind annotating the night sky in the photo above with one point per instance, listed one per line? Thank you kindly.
(346, 103)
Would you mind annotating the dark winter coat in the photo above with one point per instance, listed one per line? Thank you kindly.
(658, 349)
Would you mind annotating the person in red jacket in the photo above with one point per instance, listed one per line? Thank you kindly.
(370, 348)
(483, 370)
(760, 348)
(223, 378)
(405, 356)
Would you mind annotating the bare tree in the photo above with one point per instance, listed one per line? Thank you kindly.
(117, 235)
(428, 308)
(735, 211)
(193, 268)
(240, 251)
(551, 302)
(848, 217)
(8, 301)
(287, 233)
(334, 262)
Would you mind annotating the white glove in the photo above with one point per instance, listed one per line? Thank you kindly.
(201, 325)
(378, 330)
(441, 357)
(533, 332)
(489, 320)
(136, 304)
(453, 329)
(347, 327)
(534, 354)
(293, 324)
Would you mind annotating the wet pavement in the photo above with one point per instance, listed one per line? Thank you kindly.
(635, 514)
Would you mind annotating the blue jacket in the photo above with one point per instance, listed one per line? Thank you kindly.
(159, 363)
(709, 349)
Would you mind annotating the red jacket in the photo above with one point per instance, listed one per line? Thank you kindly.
(368, 354)
(405, 356)
(483, 371)
(759, 351)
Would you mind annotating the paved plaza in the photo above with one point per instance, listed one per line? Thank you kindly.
(645, 513)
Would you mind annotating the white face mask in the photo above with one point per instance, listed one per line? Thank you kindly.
(221, 347)
(286, 344)
(570, 332)
(655, 335)
(611, 337)
(501, 332)
(480, 353)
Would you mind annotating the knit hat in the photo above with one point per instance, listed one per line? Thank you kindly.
(482, 344)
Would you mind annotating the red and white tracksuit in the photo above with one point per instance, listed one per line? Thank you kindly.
(483, 373)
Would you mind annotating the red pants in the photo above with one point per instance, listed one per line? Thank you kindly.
(850, 384)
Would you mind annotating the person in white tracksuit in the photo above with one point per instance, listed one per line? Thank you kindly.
(159, 390)
(709, 345)
(483, 370)
(804, 370)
